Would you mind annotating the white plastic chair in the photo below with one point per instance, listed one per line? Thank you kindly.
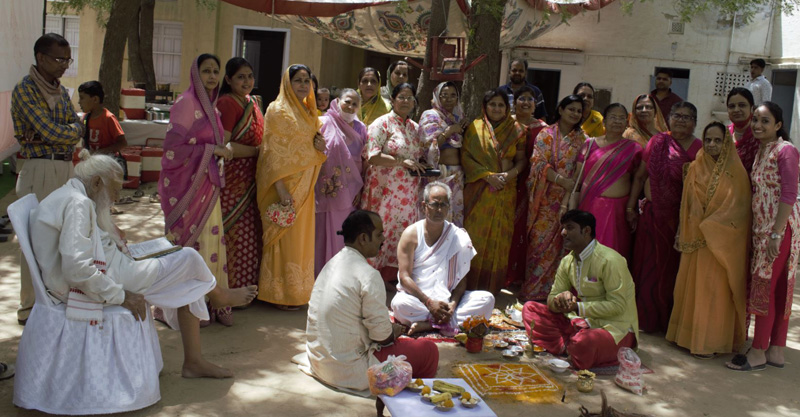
(71, 367)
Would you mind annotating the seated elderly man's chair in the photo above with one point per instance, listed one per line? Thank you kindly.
(72, 367)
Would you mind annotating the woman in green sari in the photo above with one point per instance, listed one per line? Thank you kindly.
(493, 156)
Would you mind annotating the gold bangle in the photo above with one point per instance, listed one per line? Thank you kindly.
(629, 210)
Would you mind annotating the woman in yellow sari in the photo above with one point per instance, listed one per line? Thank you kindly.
(493, 156)
(708, 316)
(289, 162)
(373, 105)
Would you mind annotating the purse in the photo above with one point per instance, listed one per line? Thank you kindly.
(281, 215)
(575, 196)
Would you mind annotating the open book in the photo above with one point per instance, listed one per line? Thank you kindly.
(152, 248)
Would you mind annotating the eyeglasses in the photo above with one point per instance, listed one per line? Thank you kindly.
(438, 206)
(682, 117)
(405, 98)
(616, 118)
(61, 61)
(645, 107)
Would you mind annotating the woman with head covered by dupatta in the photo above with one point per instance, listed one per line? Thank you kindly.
(493, 157)
(289, 162)
(645, 121)
(373, 105)
(710, 292)
(442, 130)
(338, 189)
(192, 173)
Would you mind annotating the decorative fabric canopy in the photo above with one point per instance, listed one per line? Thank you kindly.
(401, 28)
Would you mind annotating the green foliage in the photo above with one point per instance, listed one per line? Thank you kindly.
(745, 9)
(493, 8)
(103, 7)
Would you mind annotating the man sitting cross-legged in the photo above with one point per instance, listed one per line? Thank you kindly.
(78, 247)
(348, 326)
(592, 326)
(433, 257)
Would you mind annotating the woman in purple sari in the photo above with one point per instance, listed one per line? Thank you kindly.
(609, 162)
(340, 181)
(191, 170)
(655, 260)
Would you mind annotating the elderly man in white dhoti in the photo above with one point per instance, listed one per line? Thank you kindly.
(82, 254)
(433, 257)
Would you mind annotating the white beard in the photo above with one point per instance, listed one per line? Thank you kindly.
(104, 220)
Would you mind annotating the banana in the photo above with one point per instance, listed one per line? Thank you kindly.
(441, 397)
(442, 386)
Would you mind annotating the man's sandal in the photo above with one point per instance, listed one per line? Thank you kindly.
(6, 371)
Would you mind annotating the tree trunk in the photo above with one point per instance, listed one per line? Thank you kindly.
(439, 10)
(135, 68)
(146, 28)
(114, 50)
(485, 21)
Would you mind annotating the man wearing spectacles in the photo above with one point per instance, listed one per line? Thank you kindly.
(47, 128)
(433, 257)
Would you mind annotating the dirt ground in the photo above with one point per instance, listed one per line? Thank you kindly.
(260, 345)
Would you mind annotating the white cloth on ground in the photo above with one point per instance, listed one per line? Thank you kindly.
(438, 269)
(346, 314)
(64, 224)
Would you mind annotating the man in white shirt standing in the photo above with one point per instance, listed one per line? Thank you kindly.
(758, 85)
(348, 328)
(80, 250)
(433, 256)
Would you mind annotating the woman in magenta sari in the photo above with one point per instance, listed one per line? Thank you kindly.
(338, 188)
(191, 174)
(551, 180)
(608, 172)
(243, 124)
(740, 111)
(525, 105)
(655, 260)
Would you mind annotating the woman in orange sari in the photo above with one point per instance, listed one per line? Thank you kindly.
(289, 162)
(493, 156)
(708, 316)
(551, 180)
(644, 122)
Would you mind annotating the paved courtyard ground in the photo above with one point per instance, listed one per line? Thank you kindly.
(260, 345)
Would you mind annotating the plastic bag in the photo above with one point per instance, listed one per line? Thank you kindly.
(629, 375)
(389, 377)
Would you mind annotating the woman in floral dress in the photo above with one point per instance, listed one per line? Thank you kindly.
(393, 152)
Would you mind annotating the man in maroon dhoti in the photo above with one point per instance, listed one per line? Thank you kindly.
(591, 310)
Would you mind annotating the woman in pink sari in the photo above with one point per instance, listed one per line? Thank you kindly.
(338, 188)
(740, 111)
(655, 260)
(191, 170)
(610, 162)
(243, 124)
(551, 180)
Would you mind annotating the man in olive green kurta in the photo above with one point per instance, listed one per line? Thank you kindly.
(592, 325)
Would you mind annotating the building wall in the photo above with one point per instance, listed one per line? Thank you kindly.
(620, 52)
(786, 55)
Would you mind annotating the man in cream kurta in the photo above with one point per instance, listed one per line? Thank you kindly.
(348, 327)
(433, 257)
(592, 326)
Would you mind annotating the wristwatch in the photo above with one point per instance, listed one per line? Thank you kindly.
(775, 236)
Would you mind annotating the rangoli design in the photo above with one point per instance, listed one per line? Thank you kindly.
(520, 380)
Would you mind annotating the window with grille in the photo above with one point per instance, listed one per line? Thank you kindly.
(167, 37)
(70, 28)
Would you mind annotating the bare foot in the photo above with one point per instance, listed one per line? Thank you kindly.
(224, 297)
(419, 327)
(204, 369)
(775, 355)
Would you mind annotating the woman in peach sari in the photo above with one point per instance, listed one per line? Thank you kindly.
(708, 316)
(289, 162)
(644, 122)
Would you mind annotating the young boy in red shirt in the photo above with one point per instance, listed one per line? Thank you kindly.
(103, 132)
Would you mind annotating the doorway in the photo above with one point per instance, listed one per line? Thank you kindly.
(783, 90)
(260, 47)
(547, 81)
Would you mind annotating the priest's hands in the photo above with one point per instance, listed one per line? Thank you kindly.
(135, 303)
(441, 311)
(566, 302)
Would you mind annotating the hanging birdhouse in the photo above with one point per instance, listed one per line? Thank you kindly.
(448, 59)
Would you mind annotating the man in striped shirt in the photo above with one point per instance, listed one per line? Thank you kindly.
(47, 128)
